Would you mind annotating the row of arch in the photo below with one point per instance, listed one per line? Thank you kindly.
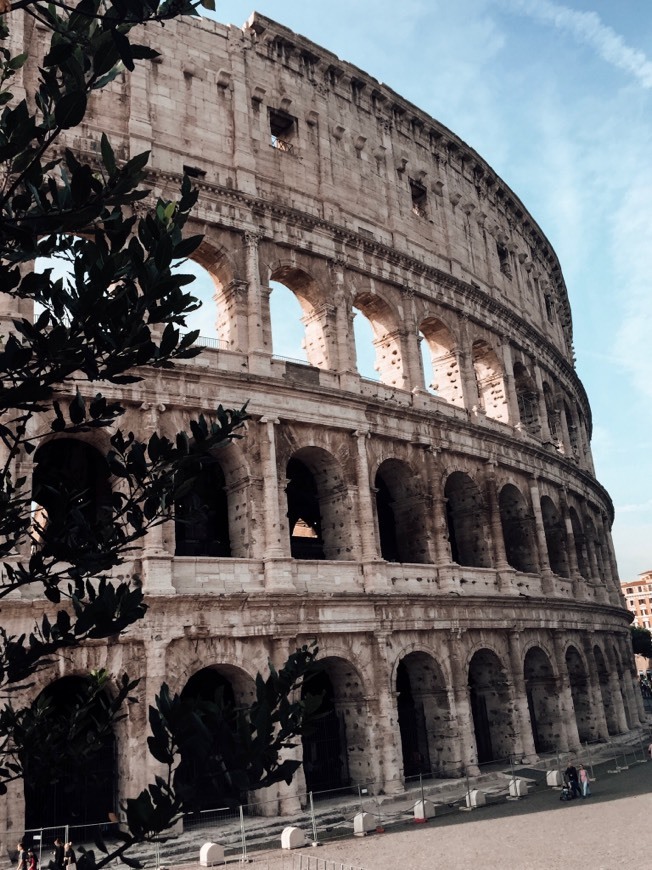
(441, 718)
(356, 327)
(482, 525)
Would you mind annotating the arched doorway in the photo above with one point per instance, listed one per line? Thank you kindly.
(424, 717)
(491, 707)
(438, 350)
(401, 516)
(518, 530)
(542, 700)
(71, 496)
(556, 540)
(466, 520)
(336, 749)
(319, 512)
(83, 788)
(201, 520)
(200, 778)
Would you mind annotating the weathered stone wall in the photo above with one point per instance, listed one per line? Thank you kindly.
(460, 537)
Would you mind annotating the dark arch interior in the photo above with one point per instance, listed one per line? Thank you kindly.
(518, 533)
(201, 525)
(542, 699)
(412, 724)
(490, 706)
(72, 493)
(304, 515)
(83, 791)
(465, 519)
(200, 790)
(386, 521)
(325, 758)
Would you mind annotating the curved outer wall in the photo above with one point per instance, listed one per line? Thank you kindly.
(499, 578)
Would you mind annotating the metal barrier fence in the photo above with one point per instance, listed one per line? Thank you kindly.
(247, 831)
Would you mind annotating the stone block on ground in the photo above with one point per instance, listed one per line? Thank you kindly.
(476, 798)
(363, 823)
(211, 854)
(423, 810)
(517, 788)
(554, 778)
(292, 838)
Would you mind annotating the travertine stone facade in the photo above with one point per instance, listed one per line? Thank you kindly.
(448, 547)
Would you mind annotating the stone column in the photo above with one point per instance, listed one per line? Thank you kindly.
(498, 541)
(544, 561)
(570, 538)
(469, 382)
(441, 545)
(546, 435)
(157, 562)
(617, 701)
(366, 520)
(524, 739)
(615, 592)
(258, 320)
(277, 540)
(415, 376)
(595, 691)
(566, 706)
(387, 726)
(344, 339)
(461, 706)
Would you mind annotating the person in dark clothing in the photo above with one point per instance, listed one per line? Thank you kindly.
(573, 779)
(57, 855)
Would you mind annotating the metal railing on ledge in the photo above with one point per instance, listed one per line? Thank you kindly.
(210, 341)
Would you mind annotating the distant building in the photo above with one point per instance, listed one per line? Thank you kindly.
(638, 595)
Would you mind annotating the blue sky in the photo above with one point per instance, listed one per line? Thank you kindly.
(557, 98)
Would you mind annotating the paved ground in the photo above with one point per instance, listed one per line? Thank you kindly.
(610, 829)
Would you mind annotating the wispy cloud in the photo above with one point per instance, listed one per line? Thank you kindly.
(588, 28)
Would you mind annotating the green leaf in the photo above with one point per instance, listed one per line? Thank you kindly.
(70, 110)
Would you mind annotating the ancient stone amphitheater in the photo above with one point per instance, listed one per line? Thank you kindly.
(447, 544)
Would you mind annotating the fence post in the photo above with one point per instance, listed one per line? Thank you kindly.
(243, 836)
(314, 821)
(588, 751)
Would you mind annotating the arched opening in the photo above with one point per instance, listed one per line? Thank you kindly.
(318, 506)
(71, 497)
(580, 544)
(490, 382)
(200, 778)
(365, 352)
(336, 748)
(440, 362)
(605, 691)
(527, 397)
(556, 540)
(313, 320)
(401, 515)
(83, 791)
(491, 707)
(427, 741)
(466, 520)
(542, 700)
(579, 685)
(388, 361)
(205, 288)
(594, 550)
(288, 331)
(518, 530)
(201, 518)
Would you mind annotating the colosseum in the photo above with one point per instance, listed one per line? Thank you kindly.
(438, 530)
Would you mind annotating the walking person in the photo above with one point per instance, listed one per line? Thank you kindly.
(22, 857)
(584, 781)
(69, 857)
(573, 780)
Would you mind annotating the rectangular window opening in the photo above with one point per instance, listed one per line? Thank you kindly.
(419, 198)
(283, 129)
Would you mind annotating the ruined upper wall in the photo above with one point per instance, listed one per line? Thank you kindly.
(352, 153)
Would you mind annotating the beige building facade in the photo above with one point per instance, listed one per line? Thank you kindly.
(447, 545)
